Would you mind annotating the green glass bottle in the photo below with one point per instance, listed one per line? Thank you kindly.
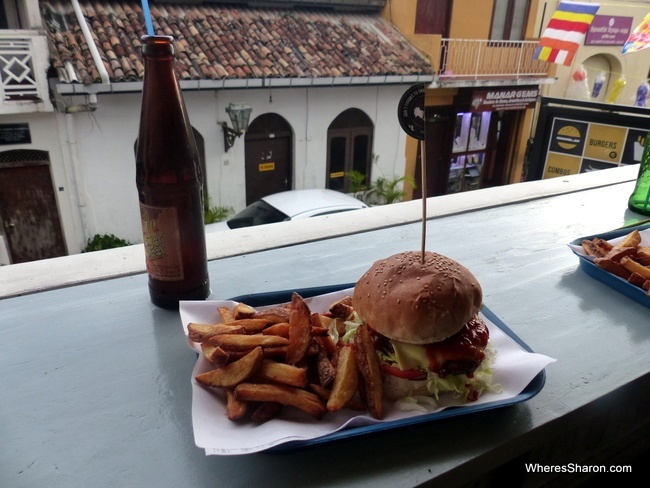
(640, 199)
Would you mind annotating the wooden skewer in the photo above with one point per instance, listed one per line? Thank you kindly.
(423, 172)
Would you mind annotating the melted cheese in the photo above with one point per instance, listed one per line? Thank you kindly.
(410, 356)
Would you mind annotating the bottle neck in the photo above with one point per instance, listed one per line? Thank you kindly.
(165, 140)
(158, 55)
(159, 47)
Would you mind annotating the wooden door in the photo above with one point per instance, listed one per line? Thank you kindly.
(29, 213)
(502, 146)
(438, 134)
(432, 17)
(268, 158)
(349, 148)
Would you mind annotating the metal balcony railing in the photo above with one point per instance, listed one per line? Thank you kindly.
(23, 72)
(479, 59)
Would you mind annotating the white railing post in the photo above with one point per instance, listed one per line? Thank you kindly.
(444, 51)
(478, 60)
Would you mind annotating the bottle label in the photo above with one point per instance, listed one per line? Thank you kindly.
(162, 242)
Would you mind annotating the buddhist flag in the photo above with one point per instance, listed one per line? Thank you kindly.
(640, 38)
(565, 32)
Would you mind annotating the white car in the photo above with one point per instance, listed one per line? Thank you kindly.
(289, 205)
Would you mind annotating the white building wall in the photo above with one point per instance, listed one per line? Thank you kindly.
(92, 153)
(100, 148)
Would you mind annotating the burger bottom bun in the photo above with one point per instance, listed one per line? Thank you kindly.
(396, 388)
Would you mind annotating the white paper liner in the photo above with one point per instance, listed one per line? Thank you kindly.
(645, 241)
(514, 368)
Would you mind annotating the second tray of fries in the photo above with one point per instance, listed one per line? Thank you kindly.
(620, 259)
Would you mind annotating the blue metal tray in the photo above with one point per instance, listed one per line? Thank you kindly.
(534, 387)
(619, 284)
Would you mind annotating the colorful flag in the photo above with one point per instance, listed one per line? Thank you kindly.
(565, 32)
(640, 38)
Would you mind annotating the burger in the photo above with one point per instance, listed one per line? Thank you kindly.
(423, 311)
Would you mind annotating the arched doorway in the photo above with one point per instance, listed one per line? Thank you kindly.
(601, 68)
(269, 156)
(349, 148)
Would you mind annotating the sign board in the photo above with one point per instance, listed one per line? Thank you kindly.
(268, 166)
(609, 30)
(504, 99)
(578, 147)
(410, 112)
(15, 134)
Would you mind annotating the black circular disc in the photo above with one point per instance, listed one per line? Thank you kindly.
(410, 111)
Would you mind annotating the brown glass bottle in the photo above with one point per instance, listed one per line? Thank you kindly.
(169, 182)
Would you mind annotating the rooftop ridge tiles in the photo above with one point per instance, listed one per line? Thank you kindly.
(222, 42)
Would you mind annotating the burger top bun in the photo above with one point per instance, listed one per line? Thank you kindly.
(417, 302)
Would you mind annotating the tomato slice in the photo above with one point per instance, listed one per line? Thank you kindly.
(407, 374)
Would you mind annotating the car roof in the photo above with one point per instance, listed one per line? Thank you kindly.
(305, 203)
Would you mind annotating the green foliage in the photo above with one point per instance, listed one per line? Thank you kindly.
(104, 241)
(216, 214)
(356, 182)
(382, 191)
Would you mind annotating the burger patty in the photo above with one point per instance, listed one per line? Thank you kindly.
(461, 353)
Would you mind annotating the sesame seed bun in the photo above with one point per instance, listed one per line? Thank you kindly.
(417, 302)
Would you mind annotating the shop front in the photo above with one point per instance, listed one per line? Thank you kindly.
(478, 141)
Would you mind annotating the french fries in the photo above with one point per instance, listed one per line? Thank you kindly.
(346, 380)
(234, 373)
(633, 239)
(202, 332)
(370, 372)
(244, 342)
(235, 408)
(279, 328)
(299, 330)
(286, 374)
(243, 311)
(226, 314)
(326, 371)
(267, 360)
(266, 411)
(643, 255)
(596, 247)
(217, 356)
(286, 395)
(627, 259)
(631, 265)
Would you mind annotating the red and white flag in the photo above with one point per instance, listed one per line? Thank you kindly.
(565, 32)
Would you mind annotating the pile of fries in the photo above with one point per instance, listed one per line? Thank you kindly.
(628, 259)
(267, 360)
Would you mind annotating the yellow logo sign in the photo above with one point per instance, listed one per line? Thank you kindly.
(266, 166)
(568, 137)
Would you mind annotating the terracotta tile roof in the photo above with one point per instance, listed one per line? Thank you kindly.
(217, 42)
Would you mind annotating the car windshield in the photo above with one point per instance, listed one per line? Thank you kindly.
(257, 213)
